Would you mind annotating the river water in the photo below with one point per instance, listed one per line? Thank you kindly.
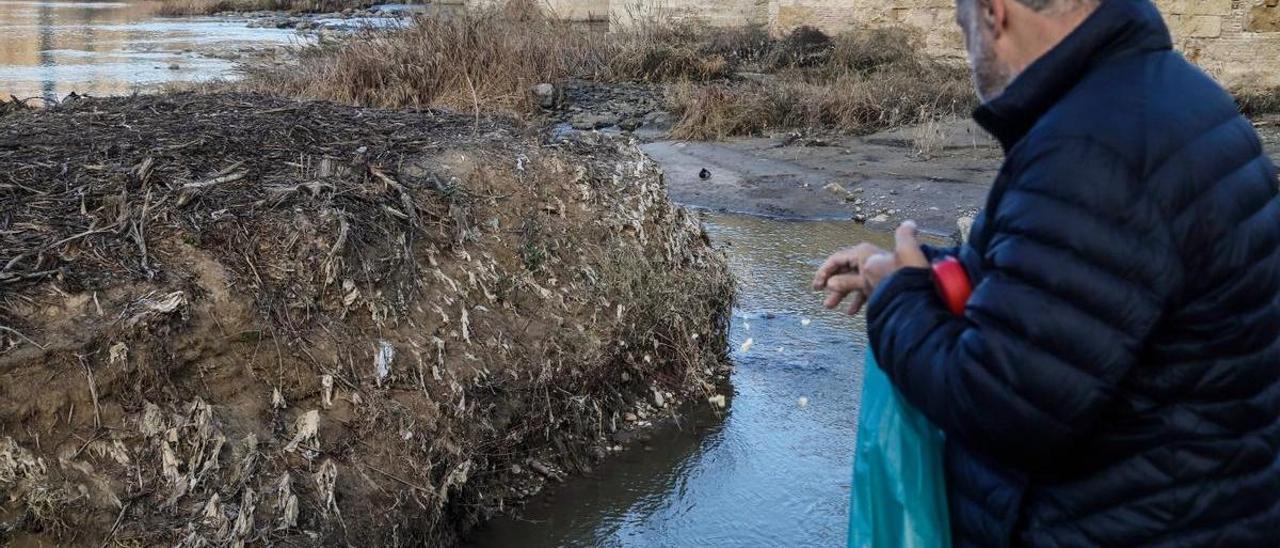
(772, 469)
(50, 48)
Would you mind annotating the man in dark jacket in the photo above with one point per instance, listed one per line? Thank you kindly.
(1115, 376)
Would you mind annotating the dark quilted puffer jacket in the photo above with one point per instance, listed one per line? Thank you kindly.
(1115, 377)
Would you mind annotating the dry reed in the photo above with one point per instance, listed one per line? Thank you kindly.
(852, 102)
(485, 59)
(482, 59)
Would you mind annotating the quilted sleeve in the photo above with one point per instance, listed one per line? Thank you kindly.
(1075, 275)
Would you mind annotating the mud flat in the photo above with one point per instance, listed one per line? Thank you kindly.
(937, 175)
(234, 319)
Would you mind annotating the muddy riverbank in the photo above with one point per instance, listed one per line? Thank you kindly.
(249, 319)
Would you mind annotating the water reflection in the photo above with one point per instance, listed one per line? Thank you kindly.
(772, 472)
(49, 49)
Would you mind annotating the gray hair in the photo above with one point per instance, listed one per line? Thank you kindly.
(1064, 5)
(1049, 5)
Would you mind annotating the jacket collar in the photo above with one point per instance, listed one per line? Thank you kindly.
(1115, 28)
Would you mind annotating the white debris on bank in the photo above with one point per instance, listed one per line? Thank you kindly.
(386, 353)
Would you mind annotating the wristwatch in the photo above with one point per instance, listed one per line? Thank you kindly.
(952, 282)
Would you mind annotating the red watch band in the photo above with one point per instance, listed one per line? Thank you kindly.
(953, 285)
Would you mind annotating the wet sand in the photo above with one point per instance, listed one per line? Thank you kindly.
(882, 178)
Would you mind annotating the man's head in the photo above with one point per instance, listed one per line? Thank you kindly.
(1005, 36)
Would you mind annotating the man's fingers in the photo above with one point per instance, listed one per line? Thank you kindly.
(843, 261)
(845, 283)
(840, 286)
(855, 303)
(907, 247)
(835, 264)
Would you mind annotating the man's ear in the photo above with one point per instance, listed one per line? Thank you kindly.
(996, 13)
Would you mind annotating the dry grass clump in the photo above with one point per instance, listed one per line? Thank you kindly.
(482, 59)
(660, 51)
(210, 7)
(857, 82)
(803, 47)
(890, 92)
(869, 49)
(1255, 101)
(14, 104)
(485, 59)
(742, 45)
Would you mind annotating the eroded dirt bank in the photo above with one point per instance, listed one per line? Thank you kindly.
(234, 319)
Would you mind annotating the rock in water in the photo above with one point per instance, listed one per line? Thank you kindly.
(547, 95)
(593, 121)
(964, 225)
(704, 174)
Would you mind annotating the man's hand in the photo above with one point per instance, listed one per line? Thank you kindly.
(857, 271)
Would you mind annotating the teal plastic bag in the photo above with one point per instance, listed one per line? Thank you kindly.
(899, 487)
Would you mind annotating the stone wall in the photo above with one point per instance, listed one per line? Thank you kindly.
(1237, 41)
(580, 10)
(935, 18)
(723, 13)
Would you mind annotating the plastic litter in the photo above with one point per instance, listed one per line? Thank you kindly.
(899, 487)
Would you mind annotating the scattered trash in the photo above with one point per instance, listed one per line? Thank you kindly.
(717, 400)
(326, 391)
(382, 362)
(805, 322)
(746, 346)
(803, 402)
(119, 353)
(305, 430)
(277, 399)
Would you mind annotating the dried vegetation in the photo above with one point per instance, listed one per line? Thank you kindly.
(856, 82)
(232, 318)
(1258, 101)
(483, 60)
(724, 82)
